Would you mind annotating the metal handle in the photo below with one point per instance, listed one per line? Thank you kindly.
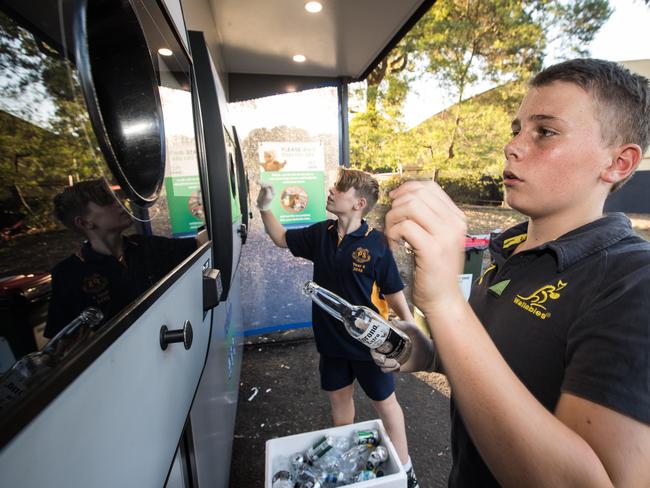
(183, 335)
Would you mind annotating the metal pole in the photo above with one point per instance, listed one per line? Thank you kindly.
(344, 127)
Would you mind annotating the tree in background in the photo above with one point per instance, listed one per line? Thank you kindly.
(45, 133)
(462, 43)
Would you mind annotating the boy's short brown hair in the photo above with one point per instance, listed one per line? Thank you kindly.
(73, 201)
(363, 183)
(621, 98)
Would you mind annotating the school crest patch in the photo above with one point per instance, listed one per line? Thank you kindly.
(94, 284)
(361, 255)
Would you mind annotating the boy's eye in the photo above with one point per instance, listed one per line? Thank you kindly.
(515, 132)
(546, 132)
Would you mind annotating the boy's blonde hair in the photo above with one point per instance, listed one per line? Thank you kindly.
(621, 98)
(363, 183)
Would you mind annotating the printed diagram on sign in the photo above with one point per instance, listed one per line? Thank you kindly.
(294, 199)
(195, 205)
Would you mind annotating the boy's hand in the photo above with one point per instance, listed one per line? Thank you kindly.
(425, 217)
(265, 196)
(422, 352)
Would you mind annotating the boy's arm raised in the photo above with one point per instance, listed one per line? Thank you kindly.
(273, 227)
(580, 444)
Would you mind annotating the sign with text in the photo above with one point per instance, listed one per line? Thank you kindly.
(182, 183)
(297, 172)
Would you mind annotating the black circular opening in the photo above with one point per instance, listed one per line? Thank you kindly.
(121, 90)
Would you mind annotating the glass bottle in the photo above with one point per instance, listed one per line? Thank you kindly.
(33, 367)
(362, 323)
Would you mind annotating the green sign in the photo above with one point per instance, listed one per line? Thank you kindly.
(185, 204)
(296, 171)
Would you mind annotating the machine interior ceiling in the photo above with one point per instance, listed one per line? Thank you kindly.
(344, 40)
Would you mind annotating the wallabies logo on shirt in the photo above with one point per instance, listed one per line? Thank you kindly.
(360, 256)
(535, 303)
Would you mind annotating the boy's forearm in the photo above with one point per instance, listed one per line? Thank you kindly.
(397, 302)
(274, 228)
(521, 441)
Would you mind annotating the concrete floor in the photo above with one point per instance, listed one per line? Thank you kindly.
(283, 369)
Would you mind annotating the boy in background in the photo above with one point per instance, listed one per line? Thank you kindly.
(354, 261)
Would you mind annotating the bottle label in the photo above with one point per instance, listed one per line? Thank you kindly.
(384, 339)
(375, 335)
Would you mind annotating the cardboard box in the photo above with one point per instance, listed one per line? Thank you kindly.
(394, 474)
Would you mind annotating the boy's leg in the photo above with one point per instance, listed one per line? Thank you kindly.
(336, 379)
(380, 388)
(342, 405)
(392, 416)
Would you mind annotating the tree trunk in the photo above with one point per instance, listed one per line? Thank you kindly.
(15, 189)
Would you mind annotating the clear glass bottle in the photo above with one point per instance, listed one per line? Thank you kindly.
(33, 367)
(362, 323)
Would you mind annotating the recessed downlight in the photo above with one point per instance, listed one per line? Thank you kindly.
(313, 7)
(163, 51)
(299, 58)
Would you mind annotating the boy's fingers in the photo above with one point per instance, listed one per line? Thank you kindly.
(431, 196)
(411, 232)
(412, 210)
(387, 365)
(405, 188)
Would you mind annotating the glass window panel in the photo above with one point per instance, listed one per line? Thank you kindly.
(50, 273)
(290, 140)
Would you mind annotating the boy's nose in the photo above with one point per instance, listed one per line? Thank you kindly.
(513, 150)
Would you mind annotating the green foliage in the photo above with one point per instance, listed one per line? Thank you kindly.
(462, 43)
(45, 134)
(483, 131)
(378, 142)
(462, 187)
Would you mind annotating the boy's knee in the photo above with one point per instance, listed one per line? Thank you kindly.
(342, 396)
(388, 405)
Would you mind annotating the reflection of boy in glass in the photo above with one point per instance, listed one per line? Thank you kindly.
(110, 270)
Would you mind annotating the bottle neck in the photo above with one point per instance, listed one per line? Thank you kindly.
(329, 301)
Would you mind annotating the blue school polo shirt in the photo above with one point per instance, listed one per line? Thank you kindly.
(360, 269)
(91, 279)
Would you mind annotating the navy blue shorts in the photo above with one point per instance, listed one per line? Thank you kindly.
(337, 373)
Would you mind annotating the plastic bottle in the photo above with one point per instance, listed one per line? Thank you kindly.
(353, 461)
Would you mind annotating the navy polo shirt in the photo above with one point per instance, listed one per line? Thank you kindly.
(89, 278)
(357, 268)
(572, 315)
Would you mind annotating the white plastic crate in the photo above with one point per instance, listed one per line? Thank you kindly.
(394, 474)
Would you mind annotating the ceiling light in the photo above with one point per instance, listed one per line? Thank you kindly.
(163, 51)
(313, 7)
(299, 58)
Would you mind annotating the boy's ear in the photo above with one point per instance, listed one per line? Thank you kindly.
(361, 203)
(623, 164)
(83, 224)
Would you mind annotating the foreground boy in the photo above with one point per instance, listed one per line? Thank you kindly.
(549, 363)
(355, 262)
